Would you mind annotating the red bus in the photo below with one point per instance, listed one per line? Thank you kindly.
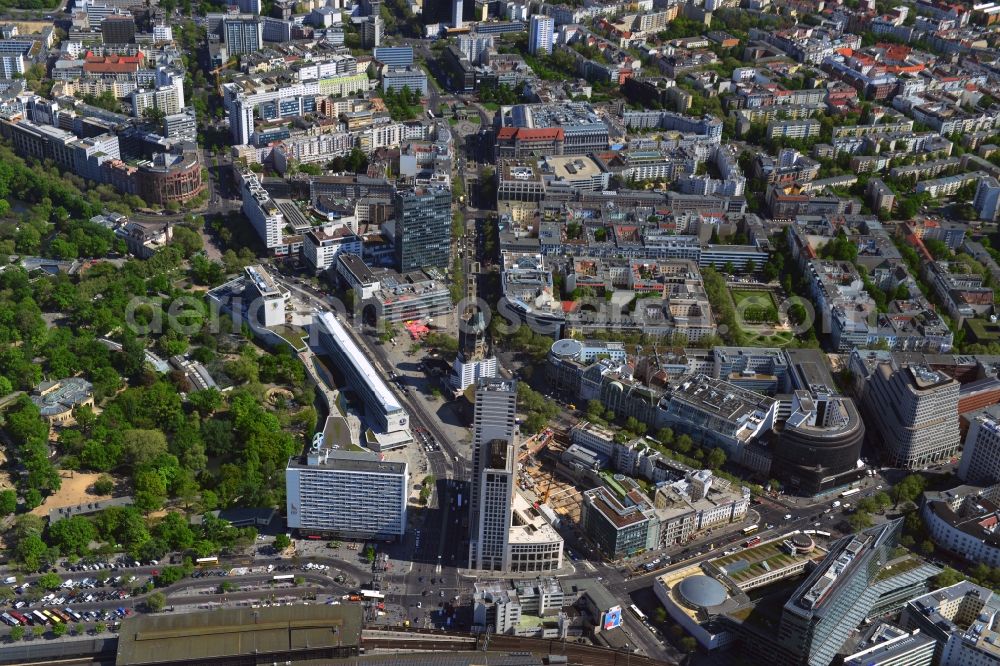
(314, 537)
(751, 542)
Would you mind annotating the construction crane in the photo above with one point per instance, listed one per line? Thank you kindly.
(215, 72)
(535, 444)
(548, 489)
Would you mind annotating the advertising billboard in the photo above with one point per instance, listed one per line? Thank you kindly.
(613, 618)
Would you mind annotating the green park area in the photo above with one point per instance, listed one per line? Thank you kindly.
(757, 307)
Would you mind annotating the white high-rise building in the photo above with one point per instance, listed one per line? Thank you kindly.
(352, 494)
(456, 13)
(987, 199)
(914, 411)
(540, 34)
(492, 473)
(163, 33)
(265, 216)
(169, 99)
(980, 464)
(241, 121)
(474, 46)
(11, 64)
(507, 533)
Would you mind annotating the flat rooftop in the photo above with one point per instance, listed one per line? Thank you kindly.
(747, 565)
(534, 527)
(722, 398)
(228, 633)
(322, 235)
(262, 280)
(360, 461)
(569, 115)
(616, 512)
(293, 216)
(979, 608)
(360, 361)
(358, 268)
(573, 167)
(496, 384)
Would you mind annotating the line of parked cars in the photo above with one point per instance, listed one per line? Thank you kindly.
(54, 616)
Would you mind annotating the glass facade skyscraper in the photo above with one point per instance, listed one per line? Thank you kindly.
(423, 228)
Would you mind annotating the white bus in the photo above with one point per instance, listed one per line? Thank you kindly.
(747, 531)
(638, 613)
(848, 493)
(372, 594)
(283, 577)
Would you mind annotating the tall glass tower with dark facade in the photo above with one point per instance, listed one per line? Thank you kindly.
(423, 228)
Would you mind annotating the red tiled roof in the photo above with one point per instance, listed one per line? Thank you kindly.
(91, 57)
(525, 133)
(111, 64)
(543, 133)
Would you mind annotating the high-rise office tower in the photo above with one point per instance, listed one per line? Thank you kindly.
(118, 29)
(456, 13)
(372, 31)
(540, 34)
(492, 474)
(851, 583)
(242, 35)
(423, 228)
(914, 411)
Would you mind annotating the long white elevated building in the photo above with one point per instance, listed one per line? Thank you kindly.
(383, 411)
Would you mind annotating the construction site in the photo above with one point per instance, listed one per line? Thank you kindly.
(537, 478)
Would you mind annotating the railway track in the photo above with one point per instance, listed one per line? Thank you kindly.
(583, 655)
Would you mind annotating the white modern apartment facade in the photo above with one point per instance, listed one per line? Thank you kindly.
(980, 463)
(264, 215)
(347, 494)
(540, 34)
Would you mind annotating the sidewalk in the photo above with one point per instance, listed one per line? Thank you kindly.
(568, 569)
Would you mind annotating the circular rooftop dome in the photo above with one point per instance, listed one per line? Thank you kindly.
(567, 348)
(701, 591)
(802, 541)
